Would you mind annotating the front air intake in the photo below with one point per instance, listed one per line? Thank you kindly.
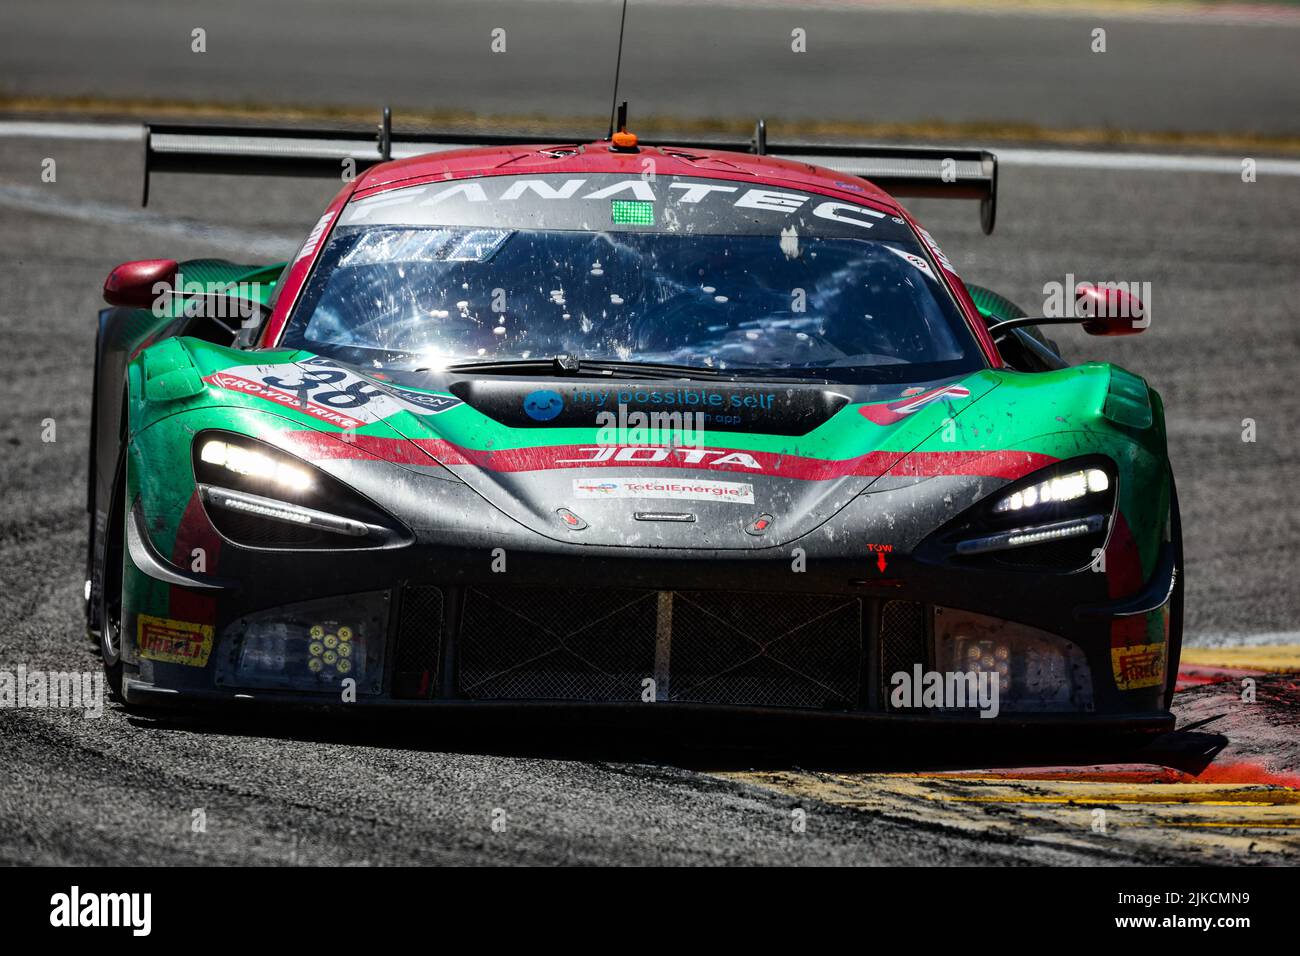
(902, 641)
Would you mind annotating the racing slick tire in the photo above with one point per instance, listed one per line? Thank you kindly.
(1176, 599)
(110, 635)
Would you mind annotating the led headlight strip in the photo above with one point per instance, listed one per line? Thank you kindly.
(284, 511)
(1067, 487)
(1035, 534)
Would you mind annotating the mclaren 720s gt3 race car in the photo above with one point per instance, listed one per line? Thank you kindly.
(603, 424)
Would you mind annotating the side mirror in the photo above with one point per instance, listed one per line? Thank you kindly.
(1108, 310)
(235, 319)
(1100, 309)
(132, 283)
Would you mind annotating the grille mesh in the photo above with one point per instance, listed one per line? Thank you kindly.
(780, 650)
(902, 640)
(419, 641)
(556, 644)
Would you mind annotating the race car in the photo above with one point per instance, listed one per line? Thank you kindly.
(604, 424)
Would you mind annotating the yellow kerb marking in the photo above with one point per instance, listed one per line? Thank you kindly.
(1275, 658)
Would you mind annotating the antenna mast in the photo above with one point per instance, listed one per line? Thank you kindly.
(618, 66)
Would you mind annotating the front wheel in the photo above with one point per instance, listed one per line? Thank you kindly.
(110, 636)
(1175, 647)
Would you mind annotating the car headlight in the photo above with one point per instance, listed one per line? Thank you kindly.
(252, 463)
(1036, 534)
(1056, 519)
(1070, 486)
(260, 496)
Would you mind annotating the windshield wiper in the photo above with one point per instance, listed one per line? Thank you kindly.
(649, 369)
(670, 370)
(491, 366)
(565, 364)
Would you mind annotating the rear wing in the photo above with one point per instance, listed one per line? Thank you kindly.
(934, 172)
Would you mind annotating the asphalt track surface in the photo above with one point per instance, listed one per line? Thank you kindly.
(1223, 346)
(682, 59)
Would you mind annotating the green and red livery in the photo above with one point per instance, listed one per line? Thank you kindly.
(601, 424)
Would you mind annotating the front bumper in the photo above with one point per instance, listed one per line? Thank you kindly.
(714, 634)
(730, 725)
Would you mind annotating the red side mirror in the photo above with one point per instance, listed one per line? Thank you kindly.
(132, 283)
(1109, 310)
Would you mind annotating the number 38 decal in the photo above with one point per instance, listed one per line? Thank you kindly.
(330, 390)
(314, 385)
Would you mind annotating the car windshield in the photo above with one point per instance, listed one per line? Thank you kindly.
(770, 295)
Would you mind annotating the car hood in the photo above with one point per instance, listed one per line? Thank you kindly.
(754, 465)
(781, 460)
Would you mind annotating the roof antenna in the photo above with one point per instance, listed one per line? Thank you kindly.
(618, 66)
(386, 135)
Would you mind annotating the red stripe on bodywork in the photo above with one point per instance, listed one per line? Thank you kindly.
(317, 446)
(921, 464)
(194, 531)
(1123, 561)
(891, 413)
(988, 464)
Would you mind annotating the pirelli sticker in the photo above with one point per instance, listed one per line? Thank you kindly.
(1138, 665)
(173, 642)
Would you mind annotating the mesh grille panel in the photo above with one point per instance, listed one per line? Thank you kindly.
(556, 644)
(419, 641)
(902, 640)
(778, 650)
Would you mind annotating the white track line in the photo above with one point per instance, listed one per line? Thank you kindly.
(256, 244)
(1051, 158)
(1144, 162)
(87, 131)
(1154, 11)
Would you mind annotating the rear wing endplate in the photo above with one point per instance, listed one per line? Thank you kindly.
(934, 172)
